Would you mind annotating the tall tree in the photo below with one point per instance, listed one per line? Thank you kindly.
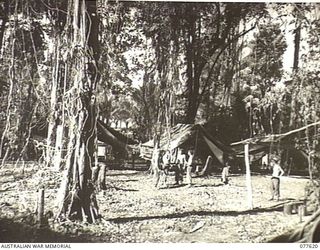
(23, 48)
(199, 33)
(4, 14)
(80, 67)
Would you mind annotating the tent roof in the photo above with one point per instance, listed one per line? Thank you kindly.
(121, 137)
(259, 140)
(178, 135)
(186, 136)
(262, 143)
(273, 137)
(106, 134)
(117, 140)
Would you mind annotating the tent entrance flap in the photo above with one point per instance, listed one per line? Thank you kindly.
(215, 150)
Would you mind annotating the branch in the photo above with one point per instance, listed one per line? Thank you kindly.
(220, 53)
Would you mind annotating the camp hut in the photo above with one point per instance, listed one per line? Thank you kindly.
(188, 136)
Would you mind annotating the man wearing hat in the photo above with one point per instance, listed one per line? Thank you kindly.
(277, 171)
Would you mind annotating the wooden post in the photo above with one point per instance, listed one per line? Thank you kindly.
(287, 209)
(302, 212)
(40, 206)
(248, 175)
(102, 176)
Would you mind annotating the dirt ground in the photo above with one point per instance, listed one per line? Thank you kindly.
(134, 211)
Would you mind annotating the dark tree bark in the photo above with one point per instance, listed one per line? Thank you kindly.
(4, 19)
(297, 36)
(77, 199)
(198, 55)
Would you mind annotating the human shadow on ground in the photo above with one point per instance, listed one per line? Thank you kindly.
(255, 211)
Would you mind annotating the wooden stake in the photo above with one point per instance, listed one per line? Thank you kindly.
(248, 176)
(40, 206)
(102, 177)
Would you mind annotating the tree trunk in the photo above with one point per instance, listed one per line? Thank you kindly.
(193, 86)
(4, 20)
(12, 82)
(53, 117)
(297, 37)
(77, 198)
(192, 107)
(296, 48)
(193, 76)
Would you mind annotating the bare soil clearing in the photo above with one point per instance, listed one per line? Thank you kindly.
(134, 211)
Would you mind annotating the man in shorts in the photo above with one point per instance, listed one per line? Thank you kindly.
(277, 172)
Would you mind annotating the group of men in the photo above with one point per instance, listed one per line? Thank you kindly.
(172, 160)
(180, 162)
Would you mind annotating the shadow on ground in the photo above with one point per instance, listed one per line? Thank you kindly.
(11, 231)
(277, 207)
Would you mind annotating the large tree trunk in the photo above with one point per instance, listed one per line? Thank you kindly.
(76, 198)
(297, 38)
(296, 47)
(192, 107)
(53, 116)
(4, 20)
(193, 68)
(12, 86)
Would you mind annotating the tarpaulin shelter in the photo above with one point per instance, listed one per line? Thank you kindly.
(118, 141)
(106, 136)
(188, 136)
(258, 144)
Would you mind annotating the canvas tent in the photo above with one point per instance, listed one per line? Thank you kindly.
(261, 145)
(106, 136)
(119, 142)
(189, 136)
(258, 144)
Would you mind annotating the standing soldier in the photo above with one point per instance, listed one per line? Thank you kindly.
(189, 166)
(277, 172)
(155, 161)
(225, 173)
(181, 161)
(265, 161)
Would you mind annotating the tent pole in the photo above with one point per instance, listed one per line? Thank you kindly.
(248, 175)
